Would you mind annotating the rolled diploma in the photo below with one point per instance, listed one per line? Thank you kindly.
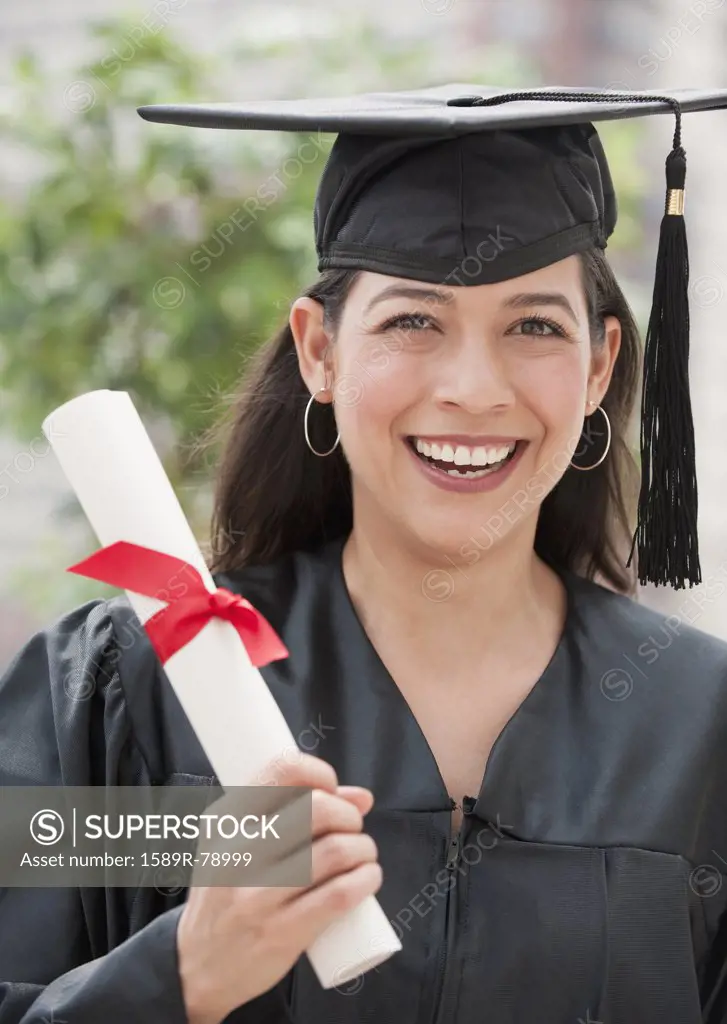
(110, 462)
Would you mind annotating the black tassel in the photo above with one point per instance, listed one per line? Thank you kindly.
(667, 518)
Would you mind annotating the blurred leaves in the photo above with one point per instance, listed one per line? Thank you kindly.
(131, 261)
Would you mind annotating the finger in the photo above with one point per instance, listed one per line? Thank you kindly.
(331, 820)
(333, 814)
(339, 852)
(357, 795)
(301, 770)
(331, 854)
(316, 909)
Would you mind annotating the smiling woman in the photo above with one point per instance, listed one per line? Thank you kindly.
(427, 490)
(435, 365)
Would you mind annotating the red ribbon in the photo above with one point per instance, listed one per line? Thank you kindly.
(153, 574)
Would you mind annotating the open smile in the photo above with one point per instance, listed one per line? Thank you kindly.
(466, 467)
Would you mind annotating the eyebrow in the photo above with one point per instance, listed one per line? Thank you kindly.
(404, 291)
(540, 299)
(435, 295)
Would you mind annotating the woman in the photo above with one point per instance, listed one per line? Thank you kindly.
(546, 819)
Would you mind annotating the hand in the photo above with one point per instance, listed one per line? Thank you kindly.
(234, 943)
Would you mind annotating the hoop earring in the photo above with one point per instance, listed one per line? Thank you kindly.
(587, 469)
(305, 427)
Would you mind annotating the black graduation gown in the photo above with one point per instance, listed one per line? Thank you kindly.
(586, 883)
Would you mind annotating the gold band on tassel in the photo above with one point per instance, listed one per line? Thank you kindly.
(675, 202)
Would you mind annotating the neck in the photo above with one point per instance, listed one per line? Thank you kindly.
(502, 605)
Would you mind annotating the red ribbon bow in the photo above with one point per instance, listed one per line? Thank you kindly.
(190, 606)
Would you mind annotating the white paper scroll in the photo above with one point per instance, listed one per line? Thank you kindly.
(109, 459)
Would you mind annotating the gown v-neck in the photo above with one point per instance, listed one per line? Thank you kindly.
(530, 705)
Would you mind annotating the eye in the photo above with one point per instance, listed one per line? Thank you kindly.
(541, 327)
(408, 322)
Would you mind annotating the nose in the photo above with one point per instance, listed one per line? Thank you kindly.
(474, 375)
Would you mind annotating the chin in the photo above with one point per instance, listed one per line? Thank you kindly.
(463, 543)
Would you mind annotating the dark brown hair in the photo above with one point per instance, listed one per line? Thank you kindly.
(274, 496)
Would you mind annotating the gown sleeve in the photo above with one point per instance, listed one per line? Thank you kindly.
(72, 955)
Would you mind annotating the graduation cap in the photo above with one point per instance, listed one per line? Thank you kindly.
(426, 184)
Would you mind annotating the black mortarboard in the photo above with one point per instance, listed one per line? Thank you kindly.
(463, 184)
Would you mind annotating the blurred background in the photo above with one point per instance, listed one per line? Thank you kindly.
(132, 256)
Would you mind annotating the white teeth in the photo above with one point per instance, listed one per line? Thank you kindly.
(461, 455)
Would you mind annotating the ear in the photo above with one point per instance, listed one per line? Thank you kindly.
(603, 360)
(312, 345)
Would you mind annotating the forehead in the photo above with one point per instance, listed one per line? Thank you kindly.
(372, 288)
